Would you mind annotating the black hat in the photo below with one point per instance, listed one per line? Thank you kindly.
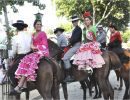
(20, 23)
(59, 29)
(74, 18)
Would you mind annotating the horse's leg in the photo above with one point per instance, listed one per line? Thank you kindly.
(100, 92)
(126, 95)
(27, 95)
(88, 82)
(96, 91)
(110, 90)
(44, 87)
(64, 87)
(55, 90)
(83, 85)
(104, 89)
(121, 83)
(17, 97)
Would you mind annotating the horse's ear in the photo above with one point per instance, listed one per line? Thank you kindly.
(115, 61)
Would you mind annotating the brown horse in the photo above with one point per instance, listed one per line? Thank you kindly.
(124, 73)
(101, 74)
(111, 62)
(48, 79)
(47, 82)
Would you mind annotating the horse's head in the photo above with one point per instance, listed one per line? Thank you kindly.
(54, 50)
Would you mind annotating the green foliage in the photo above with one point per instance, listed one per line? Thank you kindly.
(67, 26)
(12, 3)
(119, 10)
(49, 31)
(126, 35)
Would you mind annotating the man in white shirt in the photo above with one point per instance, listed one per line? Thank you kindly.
(21, 45)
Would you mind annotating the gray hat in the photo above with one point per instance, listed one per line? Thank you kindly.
(58, 29)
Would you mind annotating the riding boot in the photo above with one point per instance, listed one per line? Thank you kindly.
(68, 75)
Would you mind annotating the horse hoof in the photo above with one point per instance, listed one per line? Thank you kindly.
(120, 88)
(115, 88)
(99, 96)
(95, 97)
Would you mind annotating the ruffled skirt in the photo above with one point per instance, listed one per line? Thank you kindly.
(28, 65)
(89, 55)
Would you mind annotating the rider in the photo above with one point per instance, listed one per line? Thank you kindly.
(115, 43)
(61, 39)
(75, 42)
(101, 37)
(21, 45)
(28, 65)
(88, 56)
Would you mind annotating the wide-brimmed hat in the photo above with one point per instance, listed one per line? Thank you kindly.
(58, 29)
(20, 23)
(100, 27)
(74, 18)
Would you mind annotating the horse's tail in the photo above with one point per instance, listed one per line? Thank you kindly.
(115, 61)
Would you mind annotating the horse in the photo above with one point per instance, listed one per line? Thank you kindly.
(124, 74)
(52, 84)
(101, 74)
(47, 81)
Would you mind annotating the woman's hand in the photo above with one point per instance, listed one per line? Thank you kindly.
(34, 48)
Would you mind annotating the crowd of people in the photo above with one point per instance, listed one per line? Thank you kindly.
(85, 44)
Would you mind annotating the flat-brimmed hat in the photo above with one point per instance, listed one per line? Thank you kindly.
(100, 26)
(74, 18)
(58, 29)
(20, 23)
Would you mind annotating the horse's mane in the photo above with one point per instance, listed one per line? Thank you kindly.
(54, 49)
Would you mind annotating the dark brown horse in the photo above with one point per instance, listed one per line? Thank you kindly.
(48, 79)
(47, 82)
(101, 74)
(124, 73)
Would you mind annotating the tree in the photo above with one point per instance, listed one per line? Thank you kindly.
(103, 11)
(12, 3)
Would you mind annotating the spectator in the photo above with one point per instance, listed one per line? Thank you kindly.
(61, 39)
(101, 37)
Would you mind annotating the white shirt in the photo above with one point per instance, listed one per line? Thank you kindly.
(21, 43)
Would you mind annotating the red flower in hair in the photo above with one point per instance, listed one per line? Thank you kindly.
(86, 14)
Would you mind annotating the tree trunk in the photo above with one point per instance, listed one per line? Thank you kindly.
(94, 10)
(5, 15)
(7, 26)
